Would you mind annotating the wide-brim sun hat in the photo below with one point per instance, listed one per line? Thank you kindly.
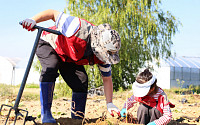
(105, 44)
(141, 90)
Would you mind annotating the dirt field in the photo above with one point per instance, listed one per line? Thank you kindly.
(186, 112)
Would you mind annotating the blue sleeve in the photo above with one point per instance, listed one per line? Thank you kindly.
(105, 69)
(67, 25)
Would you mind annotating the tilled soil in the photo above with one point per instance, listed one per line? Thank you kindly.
(187, 113)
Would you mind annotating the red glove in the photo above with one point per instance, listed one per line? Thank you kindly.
(29, 24)
(111, 107)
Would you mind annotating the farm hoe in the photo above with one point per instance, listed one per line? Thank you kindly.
(15, 108)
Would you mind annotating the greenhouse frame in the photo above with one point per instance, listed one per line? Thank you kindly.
(178, 72)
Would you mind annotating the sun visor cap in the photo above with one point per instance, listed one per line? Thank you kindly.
(141, 90)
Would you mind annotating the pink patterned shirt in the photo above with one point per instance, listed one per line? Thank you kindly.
(167, 115)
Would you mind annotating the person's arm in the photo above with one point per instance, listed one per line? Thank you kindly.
(127, 105)
(130, 102)
(46, 15)
(166, 118)
(40, 17)
(108, 87)
(107, 81)
(108, 90)
(167, 114)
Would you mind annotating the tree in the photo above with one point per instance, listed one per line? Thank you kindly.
(145, 30)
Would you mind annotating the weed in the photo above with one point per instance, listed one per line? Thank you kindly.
(109, 123)
(32, 85)
(62, 90)
(6, 90)
(29, 97)
(180, 84)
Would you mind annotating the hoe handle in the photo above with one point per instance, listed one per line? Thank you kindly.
(45, 29)
(40, 29)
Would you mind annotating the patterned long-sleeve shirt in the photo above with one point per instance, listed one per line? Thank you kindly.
(105, 69)
(167, 115)
(68, 26)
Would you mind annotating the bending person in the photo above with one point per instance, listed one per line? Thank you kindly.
(81, 43)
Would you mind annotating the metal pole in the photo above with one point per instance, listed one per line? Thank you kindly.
(27, 69)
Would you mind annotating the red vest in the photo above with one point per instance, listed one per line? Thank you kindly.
(74, 49)
(150, 101)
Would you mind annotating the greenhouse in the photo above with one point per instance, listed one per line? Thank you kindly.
(12, 73)
(178, 72)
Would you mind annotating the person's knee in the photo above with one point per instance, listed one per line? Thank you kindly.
(155, 114)
(81, 85)
(81, 88)
(143, 108)
(49, 75)
(143, 114)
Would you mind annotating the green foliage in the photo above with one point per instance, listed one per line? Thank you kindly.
(197, 89)
(37, 66)
(120, 89)
(62, 90)
(145, 30)
(180, 83)
(30, 96)
(39, 116)
(6, 90)
(32, 85)
(94, 76)
(192, 89)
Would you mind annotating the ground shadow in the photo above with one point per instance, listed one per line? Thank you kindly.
(70, 121)
(175, 122)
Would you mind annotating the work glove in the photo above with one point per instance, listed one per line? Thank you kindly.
(28, 24)
(151, 123)
(111, 107)
(123, 112)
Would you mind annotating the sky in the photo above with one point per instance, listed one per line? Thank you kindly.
(17, 42)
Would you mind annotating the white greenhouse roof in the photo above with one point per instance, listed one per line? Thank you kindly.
(191, 62)
(13, 61)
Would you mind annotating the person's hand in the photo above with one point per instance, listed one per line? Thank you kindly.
(111, 107)
(151, 123)
(123, 112)
(29, 24)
